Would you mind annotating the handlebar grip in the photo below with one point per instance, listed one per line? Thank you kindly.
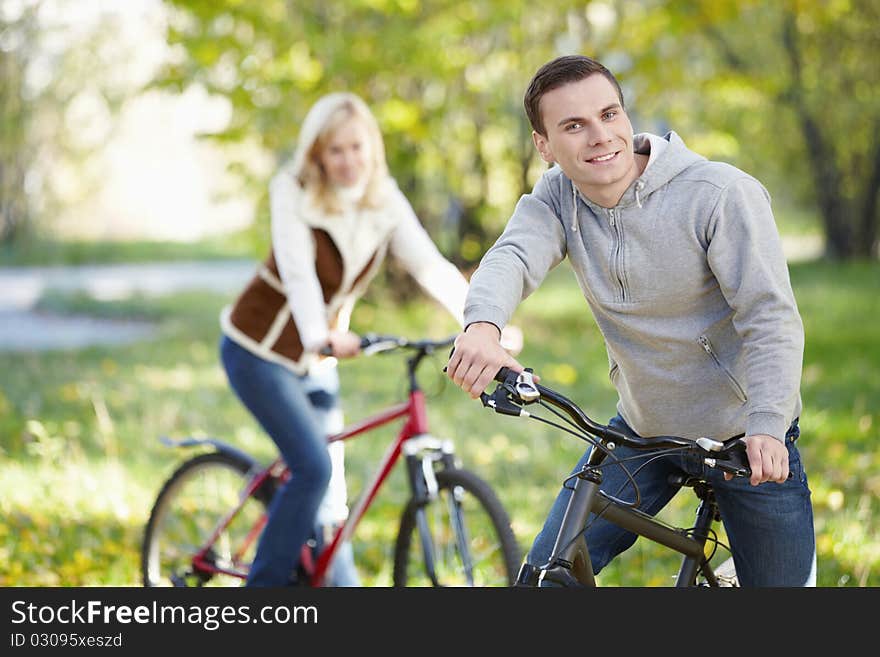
(501, 375)
(366, 341)
(736, 461)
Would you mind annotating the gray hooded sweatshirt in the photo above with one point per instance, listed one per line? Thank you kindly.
(687, 281)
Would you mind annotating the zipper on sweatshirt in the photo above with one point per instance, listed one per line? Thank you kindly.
(737, 388)
(617, 253)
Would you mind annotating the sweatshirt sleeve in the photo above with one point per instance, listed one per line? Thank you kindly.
(415, 250)
(745, 254)
(294, 251)
(533, 243)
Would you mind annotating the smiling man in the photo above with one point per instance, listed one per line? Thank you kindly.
(681, 264)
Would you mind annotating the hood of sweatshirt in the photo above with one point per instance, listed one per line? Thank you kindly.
(668, 157)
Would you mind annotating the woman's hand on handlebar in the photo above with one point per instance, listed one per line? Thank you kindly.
(477, 357)
(344, 344)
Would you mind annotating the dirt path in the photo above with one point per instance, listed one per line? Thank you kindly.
(23, 328)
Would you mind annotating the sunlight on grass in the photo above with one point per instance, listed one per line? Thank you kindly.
(69, 524)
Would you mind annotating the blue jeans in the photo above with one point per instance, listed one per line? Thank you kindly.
(290, 410)
(769, 527)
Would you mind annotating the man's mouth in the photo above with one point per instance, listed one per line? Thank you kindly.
(599, 159)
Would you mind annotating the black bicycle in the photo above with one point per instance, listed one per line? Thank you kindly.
(570, 565)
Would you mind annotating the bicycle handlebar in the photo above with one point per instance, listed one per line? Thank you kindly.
(372, 343)
(519, 389)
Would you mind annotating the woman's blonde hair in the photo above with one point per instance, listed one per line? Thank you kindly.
(323, 118)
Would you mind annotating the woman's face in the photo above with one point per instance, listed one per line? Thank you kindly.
(345, 155)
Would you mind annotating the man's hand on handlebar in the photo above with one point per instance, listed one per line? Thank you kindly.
(768, 459)
(477, 357)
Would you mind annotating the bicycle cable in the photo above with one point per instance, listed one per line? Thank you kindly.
(589, 439)
(616, 461)
(609, 499)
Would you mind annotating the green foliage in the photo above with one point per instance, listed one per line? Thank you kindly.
(80, 459)
(788, 91)
(50, 77)
(448, 100)
(446, 81)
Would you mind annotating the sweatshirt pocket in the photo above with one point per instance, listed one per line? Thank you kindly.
(613, 367)
(612, 373)
(707, 344)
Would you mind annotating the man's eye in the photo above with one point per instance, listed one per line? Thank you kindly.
(575, 126)
(609, 115)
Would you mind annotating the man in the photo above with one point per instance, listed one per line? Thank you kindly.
(680, 262)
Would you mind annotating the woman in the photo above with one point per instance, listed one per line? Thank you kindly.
(335, 213)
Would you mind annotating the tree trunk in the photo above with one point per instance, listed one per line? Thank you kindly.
(867, 234)
(835, 210)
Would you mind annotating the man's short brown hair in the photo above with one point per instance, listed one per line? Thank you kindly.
(556, 73)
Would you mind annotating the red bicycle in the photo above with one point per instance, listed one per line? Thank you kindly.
(453, 531)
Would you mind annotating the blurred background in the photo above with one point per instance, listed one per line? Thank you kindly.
(136, 142)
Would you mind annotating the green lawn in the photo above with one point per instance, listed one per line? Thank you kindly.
(80, 457)
(43, 251)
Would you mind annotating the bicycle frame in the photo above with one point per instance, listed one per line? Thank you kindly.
(416, 425)
(414, 432)
(570, 564)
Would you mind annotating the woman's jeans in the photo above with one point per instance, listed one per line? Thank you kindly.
(294, 411)
(769, 526)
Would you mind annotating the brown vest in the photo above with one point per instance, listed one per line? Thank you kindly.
(256, 310)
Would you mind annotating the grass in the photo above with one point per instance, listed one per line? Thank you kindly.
(40, 251)
(80, 459)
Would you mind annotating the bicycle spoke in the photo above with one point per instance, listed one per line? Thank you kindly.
(471, 539)
(191, 508)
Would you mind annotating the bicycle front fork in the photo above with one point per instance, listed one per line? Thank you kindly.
(421, 453)
(569, 564)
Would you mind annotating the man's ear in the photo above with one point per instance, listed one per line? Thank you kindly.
(543, 147)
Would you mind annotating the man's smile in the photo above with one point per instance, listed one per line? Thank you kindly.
(601, 159)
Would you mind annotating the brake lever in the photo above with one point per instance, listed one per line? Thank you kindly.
(734, 460)
(500, 402)
(526, 388)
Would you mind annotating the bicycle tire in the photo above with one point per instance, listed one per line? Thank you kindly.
(191, 503)
(491, 543)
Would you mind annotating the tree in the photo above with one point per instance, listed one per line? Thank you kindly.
(790, 89)
(833, 91)
(49, 72)
(16, 33)
(445, 80)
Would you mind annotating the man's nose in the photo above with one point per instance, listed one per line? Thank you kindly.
(598, 134)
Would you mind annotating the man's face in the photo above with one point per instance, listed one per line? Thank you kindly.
(590, 137)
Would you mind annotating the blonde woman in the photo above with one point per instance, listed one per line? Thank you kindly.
(335, 214)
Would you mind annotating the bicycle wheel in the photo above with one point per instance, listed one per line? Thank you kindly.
(467, 532)
(190, 507)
